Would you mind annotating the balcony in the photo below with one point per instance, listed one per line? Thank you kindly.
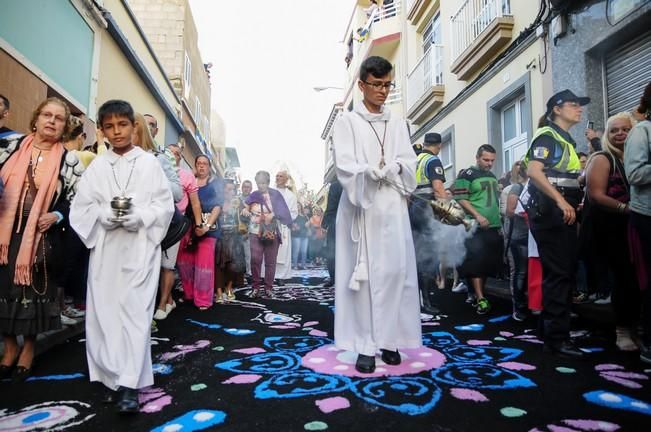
(394, 97)
(480, 28)
(425, 88)
(383, 26)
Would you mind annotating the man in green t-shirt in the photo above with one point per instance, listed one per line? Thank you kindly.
(475, 189)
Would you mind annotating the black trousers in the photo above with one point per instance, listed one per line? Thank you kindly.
(329, 249)
(427, 265)
(557, 246)
(611, 255)
(641, 242)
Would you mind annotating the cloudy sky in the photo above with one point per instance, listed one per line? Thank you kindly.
(267, 56)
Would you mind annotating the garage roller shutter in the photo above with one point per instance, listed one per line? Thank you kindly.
(628, 71)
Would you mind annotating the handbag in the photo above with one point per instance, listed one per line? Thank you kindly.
(268, 231)
(179, 225)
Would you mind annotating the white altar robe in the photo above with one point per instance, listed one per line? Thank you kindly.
(124, 266)
(284, 259)
(377, 302)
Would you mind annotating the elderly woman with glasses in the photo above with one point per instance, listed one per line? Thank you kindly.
(40, 178)
(265, 207)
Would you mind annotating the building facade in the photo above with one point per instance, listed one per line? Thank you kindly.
(98, 53)
(602, 48)
(68, 70)
(477, 74)
(474, 71)
(480, 71)
(171, 30)
(374, 33)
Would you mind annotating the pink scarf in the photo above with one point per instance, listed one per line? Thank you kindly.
(13, 175)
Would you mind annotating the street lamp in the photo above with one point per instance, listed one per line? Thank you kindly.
(320, 89)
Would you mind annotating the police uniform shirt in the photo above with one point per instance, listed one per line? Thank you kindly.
(434, 169)
(546, 149)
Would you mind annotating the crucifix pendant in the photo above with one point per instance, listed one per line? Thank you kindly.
(25, 301)
(382, 163)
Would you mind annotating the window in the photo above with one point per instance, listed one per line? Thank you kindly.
(206, 128)
(197, 112)
(447, 155)
(447, 160)
(187, 75)
(432, 33)
(432, 37)
(514, 135)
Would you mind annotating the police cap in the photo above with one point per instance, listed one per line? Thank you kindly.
(432, 138)
(565, 96)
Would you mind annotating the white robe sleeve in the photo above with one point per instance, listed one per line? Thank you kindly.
(406, 156)
(350, 166)
(85, 208)
(157, 214)
(292, 203)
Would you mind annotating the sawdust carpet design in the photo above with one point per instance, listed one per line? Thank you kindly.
(271, 364)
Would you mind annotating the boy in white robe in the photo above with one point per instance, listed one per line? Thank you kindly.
(125, 256)
(377, 305)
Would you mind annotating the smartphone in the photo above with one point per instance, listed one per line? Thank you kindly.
(590, 125)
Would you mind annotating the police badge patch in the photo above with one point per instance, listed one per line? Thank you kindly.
(540, 152)
(438, 170)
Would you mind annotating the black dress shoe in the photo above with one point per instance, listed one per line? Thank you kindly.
(5, 371)
(279, 282)
(365, 364)
(21, 373)
(128, 403)
(391, 357)
(432, 310)
(110, 396)
(565, 348)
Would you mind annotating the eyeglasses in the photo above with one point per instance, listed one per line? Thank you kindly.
(381, 85)
(50, 116)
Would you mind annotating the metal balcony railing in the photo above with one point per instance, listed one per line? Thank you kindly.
(472, 18)
(389, 11)
(409, 4)
(394, 97)
(427, 73)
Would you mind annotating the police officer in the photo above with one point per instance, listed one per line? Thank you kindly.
(430, 178)
(553, 167)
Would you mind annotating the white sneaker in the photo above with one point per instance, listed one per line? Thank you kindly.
(170, 307)
(71, 312)
(460, 288)
(471, 299)
(602, 300)
(160, 314)
(67, 321)
(624, 341)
